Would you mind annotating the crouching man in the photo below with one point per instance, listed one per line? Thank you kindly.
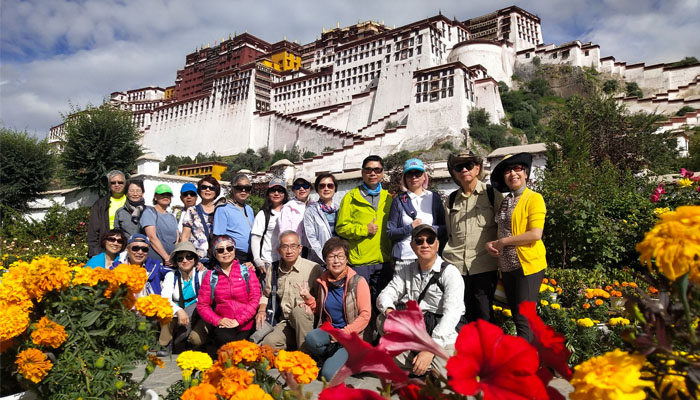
(282, 320)
(438, 288)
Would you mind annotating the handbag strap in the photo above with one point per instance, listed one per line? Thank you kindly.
(433, 279)
(205, 223)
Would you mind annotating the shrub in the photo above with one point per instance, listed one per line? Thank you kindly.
(522, 119)
(684, 110)
(633, 90)
(610, 86)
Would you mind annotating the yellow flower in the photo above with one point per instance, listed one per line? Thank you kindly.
(544, 302)
(685, 182)
(497, 308)
(203, 391)
(619, 321)
(252, 392)
(614, 375)
(674, 244)
(661, 210)
(584, 322)
(239, 351)
(84, 276)
(194, 360)
(49, 333)
(672, 385)
(32, 364)
(555, 306)
(507, 312)
(46, 274)
(14, 320)
(546, 288)
(301, 365)
(155, 306)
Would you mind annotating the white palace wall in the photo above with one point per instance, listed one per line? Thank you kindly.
(497, 58)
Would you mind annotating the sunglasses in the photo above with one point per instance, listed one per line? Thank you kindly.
(227, 249)
(188, 257)
(430, 239)
(322, 186)
(115, 240)
(189, 194)
(116, 182)
(243, 188)
(469, 165)
(414, 174)
(277, 190)
(305, 185)
(143, 249)
(514, 168)
(376, 170)
(212, 188)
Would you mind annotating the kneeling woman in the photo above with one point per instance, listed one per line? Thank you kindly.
(343, 300)
(228, 299)
(181, 288)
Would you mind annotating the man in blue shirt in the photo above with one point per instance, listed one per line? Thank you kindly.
(235, 218)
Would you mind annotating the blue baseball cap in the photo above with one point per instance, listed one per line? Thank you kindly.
(138, 237)
(188, 187)
(413, 164)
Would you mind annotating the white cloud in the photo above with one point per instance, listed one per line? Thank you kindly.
(81, 51)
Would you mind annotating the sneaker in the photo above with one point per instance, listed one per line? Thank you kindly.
(165, 350)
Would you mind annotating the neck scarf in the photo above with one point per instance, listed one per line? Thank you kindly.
(135, 208)
(371, 192)
(327, 209)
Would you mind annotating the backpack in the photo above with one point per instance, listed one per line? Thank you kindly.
(489, 192)
(214, 279)
(178, 282)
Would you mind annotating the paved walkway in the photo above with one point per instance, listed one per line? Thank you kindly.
(162, 378)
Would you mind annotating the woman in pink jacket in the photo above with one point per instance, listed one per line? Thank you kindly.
(231, 308)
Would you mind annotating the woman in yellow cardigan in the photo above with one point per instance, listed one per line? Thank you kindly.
(519, 248)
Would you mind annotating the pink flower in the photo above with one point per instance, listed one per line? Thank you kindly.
(687, 174)
(654, 198)
(660, 190)
(362, 357)
(405, 330)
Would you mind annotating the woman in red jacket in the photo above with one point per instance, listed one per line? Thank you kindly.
(231, 308)
(343, 299)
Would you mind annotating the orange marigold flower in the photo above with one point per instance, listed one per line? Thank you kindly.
(133, 276)
(632, 284)
(267, 353)
(239, 351)
(203, 391)
(32, 364)
(599, 302)
(214, 374)
(155, 306)
(301, 365)
(559, 290)
(252, 392)
(616, 283)
(106, 275)
(46, 274)
(157, 362)
(84, 276)
(624, 284)
(14, 320)
(608, 288)
(552, 281)
(49, 333)
(545, 281)
(653, 290)
(232, 380)
(586, 306)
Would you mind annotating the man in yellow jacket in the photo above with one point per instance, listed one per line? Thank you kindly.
(362, 221)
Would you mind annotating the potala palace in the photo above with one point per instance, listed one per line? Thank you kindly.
(335, 95)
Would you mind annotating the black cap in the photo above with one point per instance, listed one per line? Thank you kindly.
(422, 228)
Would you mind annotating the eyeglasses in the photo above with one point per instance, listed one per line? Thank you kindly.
(430, 239)
(339, 257)
(115, 240)
(227, 249)
(116, 182)
(322, 186)
(189, 194)
(243, 188)
(414, 174)
(305, 185)
(143, 249)
(188, 257)
(514, 168)
(212, 188)
(285, 247)
(277, 189)
(469, 165)
(376, 170)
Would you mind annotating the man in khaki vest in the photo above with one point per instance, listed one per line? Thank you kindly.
(470, 225)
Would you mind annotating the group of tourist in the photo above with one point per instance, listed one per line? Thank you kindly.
(276, 277)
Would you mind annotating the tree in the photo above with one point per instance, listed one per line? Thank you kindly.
(98, 140)
(685, 62)
(633, 90)
(26, 168)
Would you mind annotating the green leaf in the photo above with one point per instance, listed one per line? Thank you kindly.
(90, 318)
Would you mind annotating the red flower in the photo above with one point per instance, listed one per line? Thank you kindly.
(345, 393)
(654, 198)
(501, 366)
(362, 357)
(687, 174)
(550, 345)
(405, 330)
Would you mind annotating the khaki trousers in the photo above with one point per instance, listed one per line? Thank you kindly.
(290, 334)
(196, 338)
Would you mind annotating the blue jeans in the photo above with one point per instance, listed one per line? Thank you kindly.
(317, 341)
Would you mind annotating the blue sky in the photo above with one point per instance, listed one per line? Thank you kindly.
(56, 53)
